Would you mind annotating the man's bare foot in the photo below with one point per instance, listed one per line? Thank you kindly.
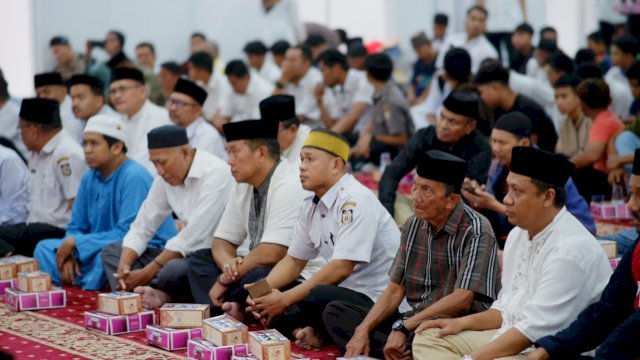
(152, 298)
(233, 309)
(308, 339)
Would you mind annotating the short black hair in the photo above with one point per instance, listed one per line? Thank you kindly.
(628, 45)
(634, 72)
(342, 34)
(441, 19)
(594, 93)
(202, 60)
(525, 28)
(561, 195)
(584, 56)
(480, 8)
(255, 48)
(379, 66)
(120, 37)
(111, 141)
(199, 35)
(147, 45)
(280, 47)
(305, 50)
(172, 67)
(569, 80)
(492, 72)
(273, 147)
(58, 40)
(314, 40)
(588, 70)
(596, 37)
(548, 29)
(333, 57)
(290, 122)
(561, 62)
(236, 68)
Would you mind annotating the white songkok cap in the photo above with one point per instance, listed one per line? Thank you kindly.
(108, 125)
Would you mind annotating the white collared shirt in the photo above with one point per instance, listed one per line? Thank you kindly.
(239, 107)
(269, 71)
(15, 196)
(204, 136)
(479, 49)
(349, 223)
(356, 89)
(70, 123)
(56, 172)
(292, 154)
(217, 89)
(621, 95)
(549, 280)
(304, 94)
(199, 202)
(149, 117)
(534, 70)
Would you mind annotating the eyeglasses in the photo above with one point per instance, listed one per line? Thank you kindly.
(179, 104)
(122, 89)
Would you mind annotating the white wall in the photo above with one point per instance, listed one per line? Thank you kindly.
(17, 59)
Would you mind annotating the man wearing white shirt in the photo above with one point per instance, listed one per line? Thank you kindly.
(257, 58)
(623, 55)
(185, 109)
(553, 268)
(281, 21)
(9, 116)
(200, 71)
(247, 91)
(349, 90)
(621, 95)
(472, 40)
(291, 134)
(87, 95)
(191, 183)
(535, 65)
(51, 86)
(129, 96)
(299, 79)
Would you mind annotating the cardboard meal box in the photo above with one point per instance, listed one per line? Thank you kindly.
(118, 324)
(119, 303)
(181, 316)
(201, 349)
(34, 281)
(269, 345)
(224, 330)
(24, 263)
(7, 284)
(8, 269)
(19, 300)
(171, 339)
(610, 248)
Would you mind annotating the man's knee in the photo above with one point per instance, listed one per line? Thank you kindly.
(425, 338)
(200, 263)
(112, 250)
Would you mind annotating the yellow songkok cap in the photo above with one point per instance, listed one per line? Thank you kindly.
(328, 141)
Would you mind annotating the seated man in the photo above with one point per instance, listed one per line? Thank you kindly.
(468, 267)
(108, 200)
(193, 185)
(185, 109)
(291, 133)
(51, 86)
(553, 268)
(56, 165)
(345, 224)
(423, 69)
(261, 212)
(455, 133)
(390, 126)
(15, 195)
(610, 324)
(573, 134)
(511, 130)
(87, 95)
(257, 58)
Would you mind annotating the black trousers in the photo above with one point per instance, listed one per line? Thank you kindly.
(590, 181)
(311, 310)
(24, 237)
(203, 273)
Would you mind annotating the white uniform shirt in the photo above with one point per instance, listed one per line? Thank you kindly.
(620, 92)
(239, 107)
(217, 88)
(292, 154)
(199, 202)
(548, 281)
(269, 71)
(15, 197)
(304, 94)
(9, 117)
(349, 223)
(534, 70)
(148, 118)
(56, 172)
(356, 89)
(504, 15)
(70, 123)
(282, 22)
(479, 49)
(204, 136)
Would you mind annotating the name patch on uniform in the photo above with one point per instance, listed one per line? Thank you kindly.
(347, 212)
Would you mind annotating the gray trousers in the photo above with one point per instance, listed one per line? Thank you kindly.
(172, 278)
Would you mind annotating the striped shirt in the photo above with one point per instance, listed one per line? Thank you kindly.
(463, 254)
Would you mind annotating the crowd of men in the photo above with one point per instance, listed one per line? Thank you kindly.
(194, 182)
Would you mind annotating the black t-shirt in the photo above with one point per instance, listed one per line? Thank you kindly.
(542, 126)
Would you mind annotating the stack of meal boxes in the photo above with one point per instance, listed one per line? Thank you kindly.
(9, 269)
(119, 312)
(27, 288)
(179, 323)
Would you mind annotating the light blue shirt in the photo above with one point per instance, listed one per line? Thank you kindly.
(15, 196)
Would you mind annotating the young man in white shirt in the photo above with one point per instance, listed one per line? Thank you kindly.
(553, 268)
(200, 71)
(257, 59)
(291, 134)
(87, 95)
(51, 86)
(128, 95)
(191, 183)
(345, 224)
(185, 109)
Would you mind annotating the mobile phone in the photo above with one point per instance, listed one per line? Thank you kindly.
(96, 43)
(259, 288)
(470, 189)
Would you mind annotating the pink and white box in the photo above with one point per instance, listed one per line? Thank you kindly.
(201, 349)
(118, 324)
(7, 284)
(19, 301)
(171, 339)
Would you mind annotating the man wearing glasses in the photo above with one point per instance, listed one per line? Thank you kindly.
(185, 109)
(128, 94)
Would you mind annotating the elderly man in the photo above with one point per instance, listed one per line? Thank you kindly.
(185, 109)
(129, 96)
(468, 267)
(553, 268)
(50, 86)
(87, 95)
(191, 183)
(108, 200)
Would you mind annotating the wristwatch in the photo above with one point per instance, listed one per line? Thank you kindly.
(399, 326)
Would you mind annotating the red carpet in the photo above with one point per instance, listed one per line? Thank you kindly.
(60, 334)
